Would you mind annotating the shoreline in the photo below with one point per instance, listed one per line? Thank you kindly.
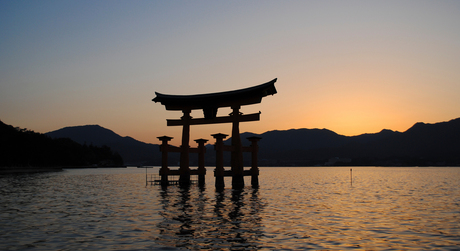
(23, 170)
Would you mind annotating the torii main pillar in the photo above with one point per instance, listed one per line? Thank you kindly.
(184, 165)
(237, 152)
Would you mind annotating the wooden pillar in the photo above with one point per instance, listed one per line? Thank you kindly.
(184, 169)
(254, 161)
(219, 171)
(201, 168)
(164, 170)
(237, 151)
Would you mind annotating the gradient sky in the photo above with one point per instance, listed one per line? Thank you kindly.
(349, 66)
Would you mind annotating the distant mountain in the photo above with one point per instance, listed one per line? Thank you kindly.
(306, 147)
(134, 152)
(422, 144)
(429, 144)
(308, 139)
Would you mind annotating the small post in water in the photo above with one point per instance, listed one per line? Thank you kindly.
(351, 176)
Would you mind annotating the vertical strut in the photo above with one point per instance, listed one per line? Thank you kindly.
(184, 169)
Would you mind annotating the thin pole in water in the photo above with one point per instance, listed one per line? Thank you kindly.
(146, 182)
(351, 176)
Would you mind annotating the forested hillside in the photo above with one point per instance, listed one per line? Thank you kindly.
(26, 148)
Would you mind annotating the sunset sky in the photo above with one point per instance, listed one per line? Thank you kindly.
(349, 66)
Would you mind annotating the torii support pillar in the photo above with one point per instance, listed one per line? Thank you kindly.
(201, 168)
(219, 171)
(254, 164)
(164, 170)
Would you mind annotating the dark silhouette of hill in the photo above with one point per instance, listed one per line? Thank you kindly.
(26, 148)
(134, 152)
(421, 145)
(307, 139)
(306, 147)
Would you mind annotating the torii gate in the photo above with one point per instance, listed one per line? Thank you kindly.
(209, 103)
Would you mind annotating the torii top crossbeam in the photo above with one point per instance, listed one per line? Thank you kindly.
(211, 101)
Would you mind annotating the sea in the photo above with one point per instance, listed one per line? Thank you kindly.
(295, 208)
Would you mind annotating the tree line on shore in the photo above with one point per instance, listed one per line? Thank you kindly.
(21, 147)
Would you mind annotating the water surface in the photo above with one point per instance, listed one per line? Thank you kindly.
(315, 208)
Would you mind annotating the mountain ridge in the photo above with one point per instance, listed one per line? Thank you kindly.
(134, 152)
(421, 144)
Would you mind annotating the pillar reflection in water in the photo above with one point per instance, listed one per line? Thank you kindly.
(195, 218)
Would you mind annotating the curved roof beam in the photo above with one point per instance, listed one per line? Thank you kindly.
(210, 102)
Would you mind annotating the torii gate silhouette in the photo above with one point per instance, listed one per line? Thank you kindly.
(210, 103)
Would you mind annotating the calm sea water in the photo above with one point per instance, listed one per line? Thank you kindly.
(294, 209)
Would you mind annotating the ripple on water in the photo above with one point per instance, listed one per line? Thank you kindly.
(295, 208)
